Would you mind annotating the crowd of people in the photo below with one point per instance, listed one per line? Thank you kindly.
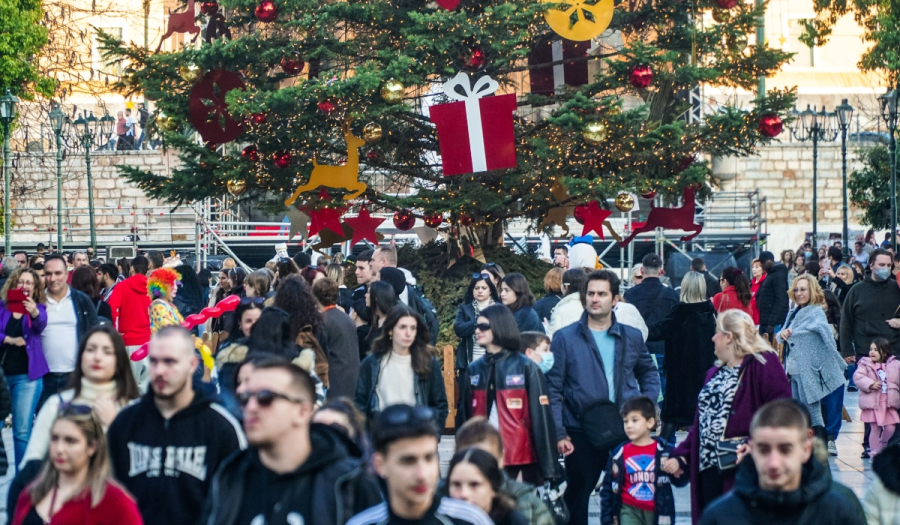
(310, 402)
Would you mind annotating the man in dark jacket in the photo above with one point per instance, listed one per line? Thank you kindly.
(772, 298)
(781, 485)
(652, 298)
(294, 471)
(406, 456)
(871, 309)
(343, 346)
(595, 360)
(166, 447)
(712, 284)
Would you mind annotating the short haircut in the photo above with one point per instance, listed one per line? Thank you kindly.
(176, 331)
(110, 269)
(601, 275)
(478, 430)
(9, 264)
(23, 252)
(812, 268)
(651, 262)
(876, 252)
(518, 284)
(697, 264)
(834, 253)
(301, 381)
(781, 413)
(302, 260)
(326, 292)
(140, 265)
(398, 422)
(156, 258)
(562, 247)
(553, 280)
(816, 296)
(55, 257)
(640, 404)
(74, 254)
(532, 340)
(365, 256)
(504, 329)
(389, 254)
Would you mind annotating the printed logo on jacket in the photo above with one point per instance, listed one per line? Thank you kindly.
(150, 460)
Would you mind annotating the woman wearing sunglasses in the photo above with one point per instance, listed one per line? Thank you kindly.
(75, 485)
(479, 295)
(509, 389)
(401, 368)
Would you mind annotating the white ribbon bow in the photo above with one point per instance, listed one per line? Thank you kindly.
(471, 96)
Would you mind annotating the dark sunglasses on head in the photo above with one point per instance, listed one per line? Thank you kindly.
(491, 265)
(484, 327)
(264, 397)
(72, 409)
(254, 300)
(638, 277)
(419, 413)
(484, 275)
(284, 260)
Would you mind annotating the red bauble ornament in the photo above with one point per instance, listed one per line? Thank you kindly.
(282, 159)
(327, 106)
(258, 118)
(465, 220)
(475, 59)
(209, 8)
(580, 212)
(250, 153)
(404, 220)
(266, 11)
(648, 194)
(726, 4)
(434, 220)
(373, 155)
(291, 66)
(641, 77)
(770, 125)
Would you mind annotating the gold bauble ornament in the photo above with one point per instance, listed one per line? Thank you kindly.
(190, 73)
(624, 202)
(721, 15)
(372, 132)
(392, 92)
(236, 187)
(595, 133)
(170, 124)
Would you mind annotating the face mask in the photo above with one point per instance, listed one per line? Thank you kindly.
(808, 254)
(882, 274)
(546, 362)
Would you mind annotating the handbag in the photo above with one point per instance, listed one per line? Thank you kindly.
(602, 424)
(727, 448)
(551, 495)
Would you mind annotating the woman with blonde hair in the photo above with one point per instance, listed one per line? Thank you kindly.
(812, 360)
(335, 272)
(75, 486)
(747, 375)
(687, 332)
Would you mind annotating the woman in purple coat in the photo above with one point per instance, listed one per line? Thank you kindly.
(21, 354)
(747, 375)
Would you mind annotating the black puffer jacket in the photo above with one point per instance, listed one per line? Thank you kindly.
(814, 503)
(772, 298)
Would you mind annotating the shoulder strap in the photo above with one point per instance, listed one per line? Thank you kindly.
(656, 300)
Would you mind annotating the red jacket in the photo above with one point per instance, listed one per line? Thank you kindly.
(116, 508)
(754, 287)
(727, 299)
(130, 306)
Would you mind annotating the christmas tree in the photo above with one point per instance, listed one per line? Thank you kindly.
(302, 85)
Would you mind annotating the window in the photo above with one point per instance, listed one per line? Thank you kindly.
(805, 55)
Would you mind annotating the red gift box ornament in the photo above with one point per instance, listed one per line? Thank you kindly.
(476, 133)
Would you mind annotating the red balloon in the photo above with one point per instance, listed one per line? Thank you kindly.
(195, 319)
(213, 312)
(229, 303)
(140, 353)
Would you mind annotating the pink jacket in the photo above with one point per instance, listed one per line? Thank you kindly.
(864, 377)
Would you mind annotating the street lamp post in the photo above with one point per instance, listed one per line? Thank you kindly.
(889, 114)
(87, 128)
(844, 113)
(57, 119)
(815, 126)
(7, 116)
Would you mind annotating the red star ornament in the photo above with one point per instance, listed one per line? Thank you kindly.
(364, 226)
(325, 218)
(594, 217)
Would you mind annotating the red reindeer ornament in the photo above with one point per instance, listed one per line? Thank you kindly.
(680, 218)
(181, 23)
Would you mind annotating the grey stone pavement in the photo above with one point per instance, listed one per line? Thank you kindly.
(847, 467)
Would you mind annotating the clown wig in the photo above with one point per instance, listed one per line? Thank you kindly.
(161, 282)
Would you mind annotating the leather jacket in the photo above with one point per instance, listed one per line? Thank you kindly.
(523, 407)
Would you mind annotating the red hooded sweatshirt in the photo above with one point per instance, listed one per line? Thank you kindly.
(130, 306)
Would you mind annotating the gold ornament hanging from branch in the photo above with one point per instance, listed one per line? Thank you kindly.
(236, 187)
(624, 202)
(372, 132)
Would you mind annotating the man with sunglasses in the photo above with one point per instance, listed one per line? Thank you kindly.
(406, 455)
(166, 447)
(294, 471)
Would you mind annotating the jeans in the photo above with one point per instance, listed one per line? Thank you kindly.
(54, 383)
(831, 412)
(25, 395)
